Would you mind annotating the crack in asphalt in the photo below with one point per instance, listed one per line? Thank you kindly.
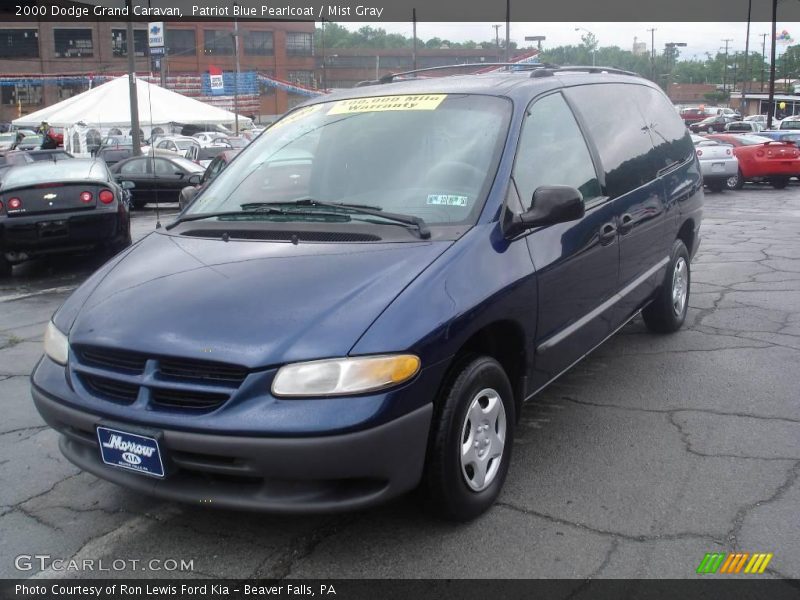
(34, 428)
(586, 582)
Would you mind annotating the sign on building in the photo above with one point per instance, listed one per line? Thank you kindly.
(216, 80)
(155, 34)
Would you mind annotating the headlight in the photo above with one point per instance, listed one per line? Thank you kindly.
(342, 376)
(56, 345)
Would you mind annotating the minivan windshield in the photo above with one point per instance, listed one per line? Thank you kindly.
(431, 156)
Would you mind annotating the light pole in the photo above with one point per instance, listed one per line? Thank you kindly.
(669, 51)
(594, 38)
(497, 40)
(652, 31)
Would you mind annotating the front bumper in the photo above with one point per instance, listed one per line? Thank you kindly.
(283, 475)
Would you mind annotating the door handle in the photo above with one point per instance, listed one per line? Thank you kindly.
(607, 233)
(625, 223)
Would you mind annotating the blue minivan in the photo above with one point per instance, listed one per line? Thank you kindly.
(362, 301)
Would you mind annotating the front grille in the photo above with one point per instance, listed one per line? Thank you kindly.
(193, 369)
(111, 389)
(118, 375)
(103, 358)
(191, 400)
(285, 236)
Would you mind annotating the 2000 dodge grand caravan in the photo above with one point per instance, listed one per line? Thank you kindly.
(362, 301)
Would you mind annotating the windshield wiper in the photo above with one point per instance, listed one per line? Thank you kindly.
(363, 209)
(227, 213)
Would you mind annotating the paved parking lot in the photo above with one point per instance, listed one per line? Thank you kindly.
(652, 452)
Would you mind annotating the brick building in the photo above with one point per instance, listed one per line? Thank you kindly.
(44, 62)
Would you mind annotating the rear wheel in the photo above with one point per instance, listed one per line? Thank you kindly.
(735, 182)
(779, 182)
(471, 440)
(667, 312)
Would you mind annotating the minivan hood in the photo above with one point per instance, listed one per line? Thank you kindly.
(251, 303)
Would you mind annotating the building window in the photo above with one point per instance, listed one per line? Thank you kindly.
(119, 42)
(299, 44)
(258, 43)
(24, 94)
(304, 78)
(73, 43)
(181, 42)
(218, 42)
(19, 43)
(68, 90)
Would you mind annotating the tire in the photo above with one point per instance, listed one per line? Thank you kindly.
(779, 182)
(5, 267)
(735, 183)
(667, 312)
(118, 245)
(710, 130)
(459, 488)
(138, 204)
(717, 186)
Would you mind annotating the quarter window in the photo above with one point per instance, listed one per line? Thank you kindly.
(669, 135)
(552, 151)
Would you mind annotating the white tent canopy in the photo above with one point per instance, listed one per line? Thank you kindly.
(106, 109)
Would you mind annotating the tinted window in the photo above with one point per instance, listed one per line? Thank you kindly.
(620, 133)
(134, 167)
(667, 131)
(164, 167)
(552, 151)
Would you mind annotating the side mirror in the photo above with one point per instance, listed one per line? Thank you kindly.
(127, 185)
(195, 178)
(180, 174)
(186, 196)
(551, 204)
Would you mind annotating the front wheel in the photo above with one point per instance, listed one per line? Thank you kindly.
(667, 312)
(471, 440)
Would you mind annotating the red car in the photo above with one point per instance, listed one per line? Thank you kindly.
(762, 159)
(693, 115)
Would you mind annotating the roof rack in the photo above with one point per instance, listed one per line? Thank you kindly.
(389, 78)
(538, 70)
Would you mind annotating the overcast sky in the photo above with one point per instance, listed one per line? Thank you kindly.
(699, 37)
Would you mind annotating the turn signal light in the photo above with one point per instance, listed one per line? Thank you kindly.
(14, 204)
(86, 197)
(106, 196)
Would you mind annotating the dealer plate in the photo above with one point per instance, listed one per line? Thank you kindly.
(717, 167)
(131, 451)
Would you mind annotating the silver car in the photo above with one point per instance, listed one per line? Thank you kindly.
(717, 162)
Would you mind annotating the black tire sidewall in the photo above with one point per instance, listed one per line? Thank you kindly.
(659, 315)
(450, 494)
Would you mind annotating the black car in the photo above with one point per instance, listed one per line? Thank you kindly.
(214, 168)
(362, 301)
(157, 178)
(66, 206)
(711, 124)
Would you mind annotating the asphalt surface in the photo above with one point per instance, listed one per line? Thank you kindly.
(650, 453)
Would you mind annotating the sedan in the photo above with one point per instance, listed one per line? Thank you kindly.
(762, 159)
(744, 127)
(65, 206)
(711, 124)
(214, 168)
(157, 178)
(717, 162)
(30, 142)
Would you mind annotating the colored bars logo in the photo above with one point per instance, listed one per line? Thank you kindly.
(734, 562)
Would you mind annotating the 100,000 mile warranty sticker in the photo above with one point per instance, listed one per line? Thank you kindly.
(379, 103)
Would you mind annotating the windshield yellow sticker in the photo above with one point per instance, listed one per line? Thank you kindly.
(379, 103)
(297, 115)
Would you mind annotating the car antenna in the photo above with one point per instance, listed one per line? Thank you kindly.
(153, 154)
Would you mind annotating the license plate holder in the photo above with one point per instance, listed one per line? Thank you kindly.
(717, 167)
(138, 452)
(51, 229)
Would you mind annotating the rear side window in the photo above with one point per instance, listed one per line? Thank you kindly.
(620, 133)
(552, 151)
(668, 133)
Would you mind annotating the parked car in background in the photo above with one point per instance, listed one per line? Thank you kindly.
(713, 111)
(203, 155)
(758, 119)
(214, 168)
(157, 178)
(12, 159)
(762, 159)
(30, 142)
(792, 122)
(113, 154)
(711, 124)
(380, 328)
(66, 206)
(7, 141)
(207, 137)
(717, 162)
(692, 115)
(784, 135)
(175, 144)
(744, 127)
(234, 141)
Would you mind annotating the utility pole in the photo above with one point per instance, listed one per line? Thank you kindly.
(725, 69)
(134, 97)
(508, 31)
(763, 56)
(746, 78)
(497, 40)
(236, 76)
(772, 66)
(414, 51)
(652, 31)
(322, 39)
